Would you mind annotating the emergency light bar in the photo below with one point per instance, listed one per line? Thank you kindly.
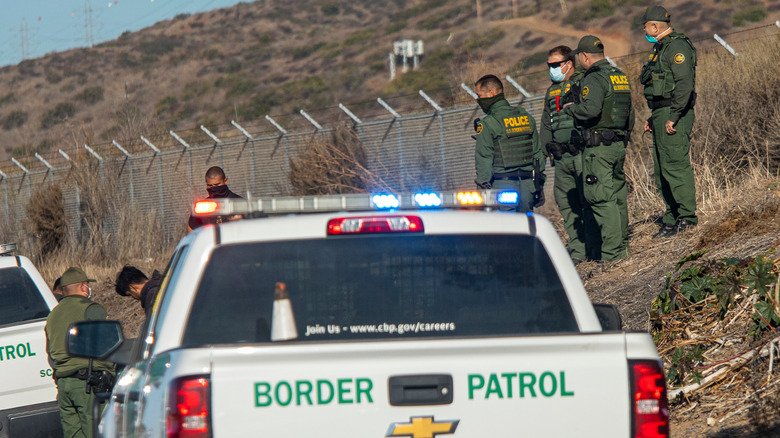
(480, 199)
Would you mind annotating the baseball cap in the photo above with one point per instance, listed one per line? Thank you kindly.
(589, 44)
(73, 276)
(656, 13)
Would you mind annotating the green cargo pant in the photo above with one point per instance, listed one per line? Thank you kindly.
(568, 192)
(525, 187)
(672, 165)
(606, 194)
(75, 407)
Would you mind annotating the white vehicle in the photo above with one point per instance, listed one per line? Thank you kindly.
(28, 395)
(383, 316)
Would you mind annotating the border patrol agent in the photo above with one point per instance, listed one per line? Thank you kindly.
(669, 78)
(508, 155)
(605, 118)
(556, 134)
(71, 373)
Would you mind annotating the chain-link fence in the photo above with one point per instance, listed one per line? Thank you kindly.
(431, 151)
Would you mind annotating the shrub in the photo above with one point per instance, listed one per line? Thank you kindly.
(329, 9)
(127, 60)
(166, 105)
(8, 98)
(752, 14)
(52, 76)
(234, 66)
(195, 89)
(91, 95)
(533, 59)
(14, 119)
(158, 46)
(305, 51)
(484, 39)
(46, 222)
(59, 114)
(236, 85)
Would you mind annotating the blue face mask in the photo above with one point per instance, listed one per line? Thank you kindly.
(651, 39)
(556, 74)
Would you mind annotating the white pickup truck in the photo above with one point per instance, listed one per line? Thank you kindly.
(28, 406)
(379, 316)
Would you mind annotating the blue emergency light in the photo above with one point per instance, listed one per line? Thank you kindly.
(508, 198)
(385, 201)
(427, 199)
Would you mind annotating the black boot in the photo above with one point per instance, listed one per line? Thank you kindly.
(667, 230)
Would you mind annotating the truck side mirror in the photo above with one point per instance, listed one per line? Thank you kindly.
(609, 317)
(93, 339)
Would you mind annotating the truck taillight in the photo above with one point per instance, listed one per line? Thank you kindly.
(649, 405)
(188, 408)
(375, 224)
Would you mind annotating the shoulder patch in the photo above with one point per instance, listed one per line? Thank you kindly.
(567, 88)
(479, 128)
(679, 58)
(585, 92)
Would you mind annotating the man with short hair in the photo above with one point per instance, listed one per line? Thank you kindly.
(556, 135)
(507, 155)
(669, 79)
(72, 373)
(131, 281)
(605, 118)
(216, 185)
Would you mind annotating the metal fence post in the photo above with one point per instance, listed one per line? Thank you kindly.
(252, 182)
(283, 136)
(160, 188)
(189, 158)
(129, 162)
(438, 111)
(217, 142)
(3, 177)
(397, 118)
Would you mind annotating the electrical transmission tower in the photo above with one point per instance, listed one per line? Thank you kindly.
(88, 23)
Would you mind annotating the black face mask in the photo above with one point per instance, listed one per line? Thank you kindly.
(218, 191)
(487, 102)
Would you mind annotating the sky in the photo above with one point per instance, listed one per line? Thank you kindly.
(38, 27)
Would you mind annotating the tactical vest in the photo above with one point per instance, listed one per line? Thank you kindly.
(514, 146)
(561, 123)
(617, 100)
(69, 310)
(657, 76)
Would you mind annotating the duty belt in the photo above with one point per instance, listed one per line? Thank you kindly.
(659, 103)
(517, 175)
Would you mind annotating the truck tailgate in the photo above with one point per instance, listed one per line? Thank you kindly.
(569, 385)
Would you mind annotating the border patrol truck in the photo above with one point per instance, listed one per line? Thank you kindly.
(28, 406)
(414, 315)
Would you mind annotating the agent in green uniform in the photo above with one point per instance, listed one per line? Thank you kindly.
(508, 154)
(71, 373)
(669, 78)
(556, 134)
(605, 118)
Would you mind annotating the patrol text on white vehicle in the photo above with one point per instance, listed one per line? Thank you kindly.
(380, 316)
(28, 396)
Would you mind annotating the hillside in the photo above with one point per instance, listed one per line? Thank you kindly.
(274, 57)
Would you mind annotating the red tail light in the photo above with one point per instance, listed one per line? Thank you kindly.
(649, 405)
(188, 408)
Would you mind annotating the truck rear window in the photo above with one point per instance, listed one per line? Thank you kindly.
(382, 287)
(20, 299)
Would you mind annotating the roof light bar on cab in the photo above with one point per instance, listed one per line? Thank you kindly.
(357, 202)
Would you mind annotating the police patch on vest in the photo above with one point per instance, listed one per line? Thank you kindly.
(585, 92)
(479, 128)
(679, 58)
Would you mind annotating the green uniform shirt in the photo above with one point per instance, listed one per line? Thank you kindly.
(71, 309)
(598, 87)
(501, 118)
(556, 124)
(670, 72)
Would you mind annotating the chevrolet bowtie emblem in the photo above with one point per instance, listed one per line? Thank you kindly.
(422, 427)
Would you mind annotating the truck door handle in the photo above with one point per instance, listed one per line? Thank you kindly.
(420, 390)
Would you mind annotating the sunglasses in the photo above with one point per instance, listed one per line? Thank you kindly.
(557, 64)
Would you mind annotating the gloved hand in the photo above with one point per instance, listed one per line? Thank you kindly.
(485, 186)
(538, 198)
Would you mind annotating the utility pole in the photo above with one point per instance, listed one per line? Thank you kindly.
(88, 23)
(24, 37)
